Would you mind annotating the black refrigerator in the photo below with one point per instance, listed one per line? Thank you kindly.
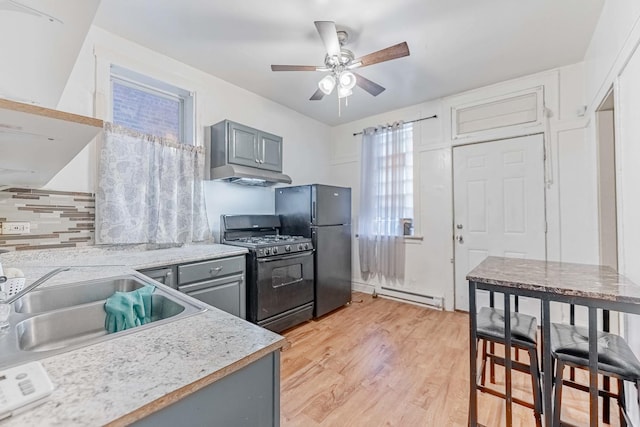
(323, 213)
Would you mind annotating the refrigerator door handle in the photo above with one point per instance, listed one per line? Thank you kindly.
(313, 212)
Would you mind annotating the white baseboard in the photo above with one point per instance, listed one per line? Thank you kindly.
(408, 297)
(362, 287)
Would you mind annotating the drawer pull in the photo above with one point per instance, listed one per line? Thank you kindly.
(215, 270)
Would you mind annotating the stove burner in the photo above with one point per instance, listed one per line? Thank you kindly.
(269, 239)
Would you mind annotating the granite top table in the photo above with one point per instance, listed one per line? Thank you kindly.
(121, 380)
(592, 286)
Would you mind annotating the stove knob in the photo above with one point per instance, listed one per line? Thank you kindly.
(267, 251)
(300, 247)
(274, 251)
(287, 248)
(306, 246)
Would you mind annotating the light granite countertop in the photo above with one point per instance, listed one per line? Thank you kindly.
(125, 378)
(558, 278)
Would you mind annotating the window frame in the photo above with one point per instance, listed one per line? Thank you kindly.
(409, 178)
(135, 80)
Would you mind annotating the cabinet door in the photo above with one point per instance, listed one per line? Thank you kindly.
(225, 296)
(270, 152)
(243, 145)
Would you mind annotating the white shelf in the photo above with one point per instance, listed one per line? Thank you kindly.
(36, 142)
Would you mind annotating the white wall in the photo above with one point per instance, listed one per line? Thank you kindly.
(610, 46)
(306, 148)
(612, 59)
(571, 198)
(37, 55)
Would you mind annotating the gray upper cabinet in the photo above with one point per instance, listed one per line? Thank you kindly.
(271, 156)
(245, 146)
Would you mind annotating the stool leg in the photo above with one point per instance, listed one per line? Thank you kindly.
(606, 402)
(492, 364)
(535, 386)
(557, 406)
(483, 366)
(621, 403)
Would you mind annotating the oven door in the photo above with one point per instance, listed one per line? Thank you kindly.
(283, 282)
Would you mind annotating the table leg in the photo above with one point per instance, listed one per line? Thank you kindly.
(507, 358)
(473, 355)
(606, 385)
(547, 377)
(593, 367)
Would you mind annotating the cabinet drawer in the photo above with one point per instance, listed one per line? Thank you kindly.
(164, 275)
(208, 270)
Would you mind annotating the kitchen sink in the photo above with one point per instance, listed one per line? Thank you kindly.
(61, 328)
(56, 319)
(53, 298)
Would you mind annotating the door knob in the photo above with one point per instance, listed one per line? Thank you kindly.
(459, 238)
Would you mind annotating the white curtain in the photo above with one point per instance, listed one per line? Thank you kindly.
(386, 171)
(150, 190)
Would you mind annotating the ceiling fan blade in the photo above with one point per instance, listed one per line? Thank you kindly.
(373, 88)
(317, 96)
(295, 68)
(329, 36)
(393, 52)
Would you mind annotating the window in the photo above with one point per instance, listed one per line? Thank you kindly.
(150, 106)
(396, 171)
(386, 197)
(387, 179)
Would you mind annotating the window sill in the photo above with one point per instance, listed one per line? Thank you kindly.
(416, 238)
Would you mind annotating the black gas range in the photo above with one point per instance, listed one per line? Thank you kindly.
(273, 244)
(279, 270)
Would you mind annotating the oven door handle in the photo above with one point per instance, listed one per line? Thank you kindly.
(285, 257)
(293, 282)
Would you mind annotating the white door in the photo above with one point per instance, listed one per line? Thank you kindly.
(499, 206)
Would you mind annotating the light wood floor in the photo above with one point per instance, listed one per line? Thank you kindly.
(386, 363)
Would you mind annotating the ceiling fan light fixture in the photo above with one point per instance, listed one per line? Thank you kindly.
(347, 80)
(327, 84)
(343, 92)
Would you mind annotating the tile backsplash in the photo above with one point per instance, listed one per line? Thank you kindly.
(59, 219)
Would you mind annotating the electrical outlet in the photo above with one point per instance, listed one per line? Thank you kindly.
(15, 227)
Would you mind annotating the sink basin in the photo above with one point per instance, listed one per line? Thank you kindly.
(53, 298)
(56, 319)
(62, 328)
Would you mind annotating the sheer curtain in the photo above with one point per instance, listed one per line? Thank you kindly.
(384, 199)
(150, 190)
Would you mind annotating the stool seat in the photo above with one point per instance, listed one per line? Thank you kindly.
(570, 344)
(490, 324)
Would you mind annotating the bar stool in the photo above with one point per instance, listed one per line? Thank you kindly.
(490, 329)
(570, 347)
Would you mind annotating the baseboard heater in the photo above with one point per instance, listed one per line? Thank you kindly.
(437, 302)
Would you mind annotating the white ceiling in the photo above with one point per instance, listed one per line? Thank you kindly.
(455, 44)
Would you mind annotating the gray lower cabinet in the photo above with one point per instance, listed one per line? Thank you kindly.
(249, 397)
(218, 282)
(164, 275)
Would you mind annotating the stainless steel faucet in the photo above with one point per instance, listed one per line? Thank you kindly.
(35, 284)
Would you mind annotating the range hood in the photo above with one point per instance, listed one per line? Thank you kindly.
(246, 175)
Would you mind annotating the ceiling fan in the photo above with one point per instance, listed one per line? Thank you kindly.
(340, 62)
